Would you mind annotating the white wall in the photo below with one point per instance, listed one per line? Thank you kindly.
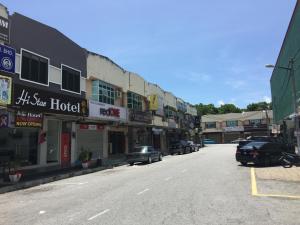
(170, 99)
(104, 69)
(137, 84)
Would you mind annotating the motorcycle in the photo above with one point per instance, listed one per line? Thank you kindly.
(289, 160)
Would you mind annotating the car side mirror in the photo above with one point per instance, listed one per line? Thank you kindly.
(254, 148)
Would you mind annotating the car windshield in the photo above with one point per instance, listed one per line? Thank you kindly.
(141, 149)
(254, 144)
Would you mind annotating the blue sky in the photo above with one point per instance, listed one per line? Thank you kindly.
(204, 51)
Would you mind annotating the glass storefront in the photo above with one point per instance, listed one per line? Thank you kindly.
(53, 137)
(22, 143)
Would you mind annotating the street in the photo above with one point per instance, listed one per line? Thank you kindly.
(205, 187)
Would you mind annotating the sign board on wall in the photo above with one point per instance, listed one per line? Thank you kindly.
(233, 129)
(33, 99)
(28, 119)
(7, 59)
(107, 112)
(5, 90)
(140, 116)
(4, 29)
(91, 127)
(156, 104)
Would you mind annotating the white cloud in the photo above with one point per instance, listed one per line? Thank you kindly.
(267, 99)
(236, 84)
(195, 77)
(221, 102)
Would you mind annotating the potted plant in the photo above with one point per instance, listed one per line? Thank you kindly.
(14, 172)
(85, 156)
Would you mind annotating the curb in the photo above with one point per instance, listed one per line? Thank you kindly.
(32, 183)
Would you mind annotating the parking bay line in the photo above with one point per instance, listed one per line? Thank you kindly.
(142, 192)
(255, 192)
(99, 214)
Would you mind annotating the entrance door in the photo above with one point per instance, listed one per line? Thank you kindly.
(156, 141)
(117, 142)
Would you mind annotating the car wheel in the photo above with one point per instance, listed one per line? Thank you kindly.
(160, 157)
(149, 160)
(267, 161)
(244, 163)
(131, 164)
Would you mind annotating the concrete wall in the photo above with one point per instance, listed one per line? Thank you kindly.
(170, 99)
(104, 69)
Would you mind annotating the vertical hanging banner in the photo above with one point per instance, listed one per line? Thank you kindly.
(7, 59)
(4, 29)
(5, 90)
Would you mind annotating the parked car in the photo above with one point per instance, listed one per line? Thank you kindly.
(261, 153)
(181, 147)
(144, 154)
(208, 141)
(194, 147)
(237, 141)
(257, 139)
(176, 147)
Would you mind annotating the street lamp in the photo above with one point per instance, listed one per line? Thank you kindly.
(296, 119)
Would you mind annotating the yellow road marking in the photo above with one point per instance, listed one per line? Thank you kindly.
(253, 182)
(255, 193)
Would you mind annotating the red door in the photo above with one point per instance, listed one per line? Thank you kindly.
(65, 149)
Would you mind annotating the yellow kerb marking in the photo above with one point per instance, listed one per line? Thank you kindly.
(255, 193)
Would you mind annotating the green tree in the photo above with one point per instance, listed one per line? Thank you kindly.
(259, 106)
(203, 109)
(229, 108)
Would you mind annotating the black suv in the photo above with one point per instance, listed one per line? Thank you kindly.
(261, 153)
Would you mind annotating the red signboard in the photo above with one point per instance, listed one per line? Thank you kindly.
(65, 148)
(91, 127)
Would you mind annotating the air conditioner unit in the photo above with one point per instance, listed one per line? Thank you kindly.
(118, 94)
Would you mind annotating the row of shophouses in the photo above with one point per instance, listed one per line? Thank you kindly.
(61, 98)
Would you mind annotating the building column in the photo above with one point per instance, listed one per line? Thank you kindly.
(73, 143)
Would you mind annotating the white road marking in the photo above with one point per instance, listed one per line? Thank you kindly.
(142, 192)
(99, 214)
(58, 184)
(183, 171)
(42, 212)
(168, 178)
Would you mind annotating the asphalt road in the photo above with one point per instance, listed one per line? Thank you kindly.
(205, 187)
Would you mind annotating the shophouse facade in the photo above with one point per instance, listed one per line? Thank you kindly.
(225, 128)
(107, 85)
(59, 99)
(48, 95)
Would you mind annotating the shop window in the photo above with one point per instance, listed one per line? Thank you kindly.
(134, 101)
(103, 92)
(255, 122)
(70, 79)
(210, 125)
(21, 143)
(34, 68)
(232, 123)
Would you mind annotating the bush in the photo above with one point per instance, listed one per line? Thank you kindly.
(85, 155)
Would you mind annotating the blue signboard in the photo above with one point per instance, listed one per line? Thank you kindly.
(7, 59)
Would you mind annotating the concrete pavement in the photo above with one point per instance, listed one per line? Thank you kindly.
(205, 187)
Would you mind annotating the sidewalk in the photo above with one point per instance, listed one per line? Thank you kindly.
(279, 173)
(43, 178)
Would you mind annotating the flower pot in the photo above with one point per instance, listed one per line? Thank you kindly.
(14, 178)
(85, 165)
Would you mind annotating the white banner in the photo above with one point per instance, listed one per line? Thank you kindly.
(107, 112)
(232, 129)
